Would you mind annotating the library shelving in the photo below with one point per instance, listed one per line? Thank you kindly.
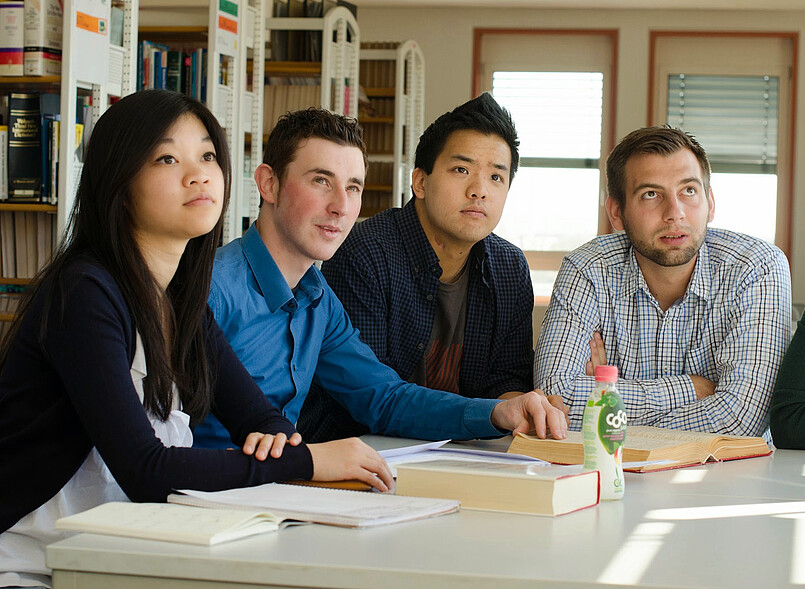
(331, 71)
(30, 231)
(393, 80)
(233, 38)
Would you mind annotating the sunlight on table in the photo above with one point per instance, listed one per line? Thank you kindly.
(636, 554)
(688, 476)
(721, 511)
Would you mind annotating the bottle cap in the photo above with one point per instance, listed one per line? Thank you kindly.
(606, 373)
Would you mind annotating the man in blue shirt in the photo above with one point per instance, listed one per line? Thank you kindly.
(288, 327)
(437, 296)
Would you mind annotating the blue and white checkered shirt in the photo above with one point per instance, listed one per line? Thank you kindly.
(732, 326)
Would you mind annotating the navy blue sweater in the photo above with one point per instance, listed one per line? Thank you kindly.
(58, 402)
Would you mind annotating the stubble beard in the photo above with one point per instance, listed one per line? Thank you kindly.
(666, 258)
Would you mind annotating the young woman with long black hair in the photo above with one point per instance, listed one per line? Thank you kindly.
(116, 354)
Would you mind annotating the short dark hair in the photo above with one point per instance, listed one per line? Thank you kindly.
(664, 140)
(293, 127)
(482, 114)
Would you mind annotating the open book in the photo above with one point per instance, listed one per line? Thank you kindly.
(672, 448)
(535, 488)
(318, 505)
(172, 523)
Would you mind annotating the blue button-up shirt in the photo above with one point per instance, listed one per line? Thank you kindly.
(288, 340)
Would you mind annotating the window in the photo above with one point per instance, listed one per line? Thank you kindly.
(733, 92)
(735, 120)
(556, 86)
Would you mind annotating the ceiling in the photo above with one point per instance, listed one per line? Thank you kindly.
(798, 5)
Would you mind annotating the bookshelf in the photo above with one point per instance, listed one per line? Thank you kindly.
(250, 135)
(30, 231)
(332, 68)
(393, 80)
(234, 39)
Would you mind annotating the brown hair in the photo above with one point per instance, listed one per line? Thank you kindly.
(293, 127)
(664, 140)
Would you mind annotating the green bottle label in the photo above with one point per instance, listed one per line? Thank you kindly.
(611, 422)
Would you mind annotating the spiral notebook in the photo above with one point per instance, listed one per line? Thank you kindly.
(335, 507)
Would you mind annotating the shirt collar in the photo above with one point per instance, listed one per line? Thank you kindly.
(273, 285)
(633, 277)
(420, 252)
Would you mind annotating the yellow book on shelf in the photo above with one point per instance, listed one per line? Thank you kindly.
(672, 448)
(536, 489)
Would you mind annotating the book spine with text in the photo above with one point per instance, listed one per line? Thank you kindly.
(24, 161)
(12, 38)
(42, 38)
(3, 162)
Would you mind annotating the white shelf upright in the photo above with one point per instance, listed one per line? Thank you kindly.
(86, 32)
(409, 112)
(253, 49)
(340, 55)
(409, 116)
(223, 82)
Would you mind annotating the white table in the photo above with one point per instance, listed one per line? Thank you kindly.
(655, 537)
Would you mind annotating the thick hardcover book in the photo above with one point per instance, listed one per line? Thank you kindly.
(173, 73)
(324, 506)
(7, 245)
(43, 36)
(171, 523)
(666, 448)
(12, 38)
(279, 38)
(24, 158)
(49, 109)
(534, 489)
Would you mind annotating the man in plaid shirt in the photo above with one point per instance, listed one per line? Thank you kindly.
(696, 319)
(437, 296)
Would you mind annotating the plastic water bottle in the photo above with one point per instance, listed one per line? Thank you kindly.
(604, 430)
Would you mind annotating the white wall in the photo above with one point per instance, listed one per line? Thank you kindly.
(446, 37)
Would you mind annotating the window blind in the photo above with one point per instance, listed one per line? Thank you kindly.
(735, 118)
(558, 115)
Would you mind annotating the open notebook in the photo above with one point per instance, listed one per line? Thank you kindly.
(336, 507)
(172, 523)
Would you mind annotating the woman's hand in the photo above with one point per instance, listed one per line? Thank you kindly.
(261, 445)
(350, 459)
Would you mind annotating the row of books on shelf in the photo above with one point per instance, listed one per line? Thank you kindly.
(379, 138)
(380, 173)
(375, 107)
(301, 45)
(30, 127)
(31, 36)
(26, 242)
(284, 98)
(378, 73)
(169, 68)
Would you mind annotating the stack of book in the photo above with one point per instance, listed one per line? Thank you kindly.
(30, 38)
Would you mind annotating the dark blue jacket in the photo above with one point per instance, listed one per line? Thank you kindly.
(76, 392)
(387, 276)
